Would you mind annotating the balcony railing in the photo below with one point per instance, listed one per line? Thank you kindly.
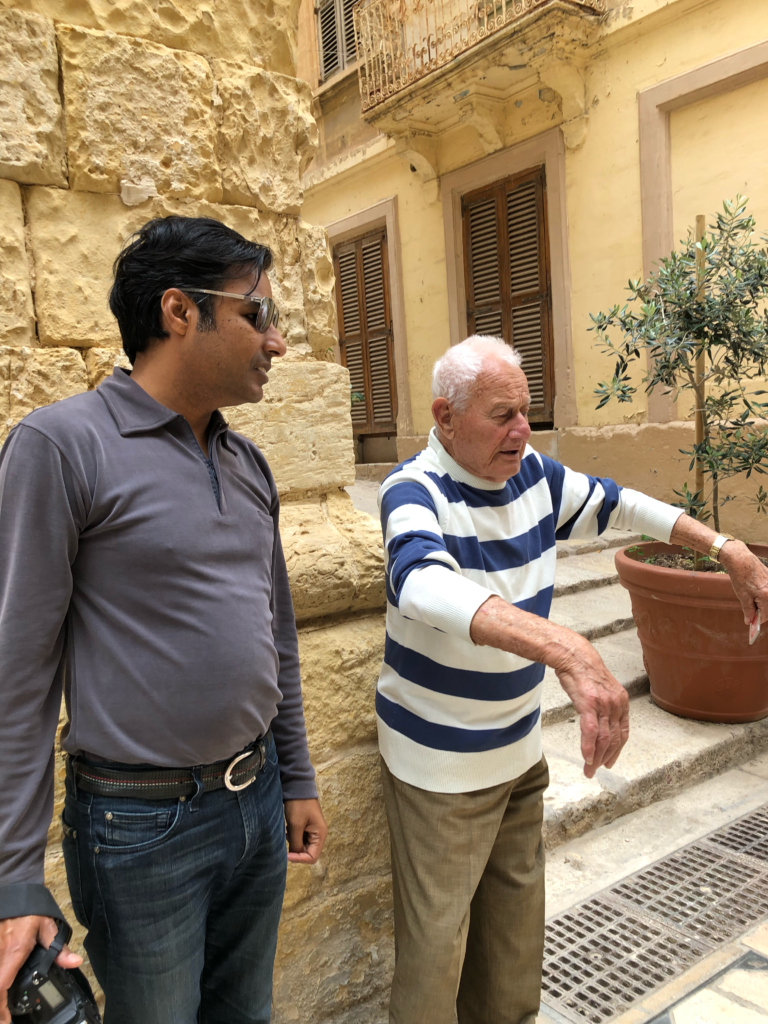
(401, 41)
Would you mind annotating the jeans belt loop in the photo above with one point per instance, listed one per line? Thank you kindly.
(193, 802)
(69, 772)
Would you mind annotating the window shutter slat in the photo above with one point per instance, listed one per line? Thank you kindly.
(526, 336)
(507, 276)
(373, 283)
(377, 329)
(523, 234)
(378, 351)
(350, 53)
(328, 33)
(350, 295)
(489, 323)
(353, 351)
(529, 321)
(365, 333)
(484, 252)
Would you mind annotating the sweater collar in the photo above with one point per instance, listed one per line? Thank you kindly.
(455, 471)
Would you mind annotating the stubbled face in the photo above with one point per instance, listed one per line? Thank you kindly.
(234, 357)
(489, 437)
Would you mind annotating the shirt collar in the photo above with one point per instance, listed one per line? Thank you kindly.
(457, 472)
(136, 412)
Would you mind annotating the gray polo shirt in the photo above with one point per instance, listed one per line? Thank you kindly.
(149, 584)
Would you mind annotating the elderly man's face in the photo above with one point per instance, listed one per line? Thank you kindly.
(489, 437)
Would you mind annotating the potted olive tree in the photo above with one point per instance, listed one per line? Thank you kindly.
(701, 326)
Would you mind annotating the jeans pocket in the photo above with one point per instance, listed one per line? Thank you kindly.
(69, 846)
(119, 830)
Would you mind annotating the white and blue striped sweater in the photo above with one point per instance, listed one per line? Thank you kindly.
(454, 717)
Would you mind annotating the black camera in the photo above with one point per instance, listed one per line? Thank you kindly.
(45, 993)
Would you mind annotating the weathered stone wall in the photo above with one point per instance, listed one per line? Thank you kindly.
(112, 112)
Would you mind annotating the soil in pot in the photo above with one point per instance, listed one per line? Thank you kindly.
(685, 560)
(695, 642)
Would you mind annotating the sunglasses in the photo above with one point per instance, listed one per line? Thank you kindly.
(267, 314)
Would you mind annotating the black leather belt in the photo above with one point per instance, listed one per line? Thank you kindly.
(168, 783)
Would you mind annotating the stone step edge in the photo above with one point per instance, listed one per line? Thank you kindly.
(572, 549)
(662, 782)
(606, 628)
(582, 586)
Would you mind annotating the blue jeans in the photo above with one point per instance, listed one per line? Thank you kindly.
(181, 900)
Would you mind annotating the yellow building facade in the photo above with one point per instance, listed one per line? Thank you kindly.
(634, 116)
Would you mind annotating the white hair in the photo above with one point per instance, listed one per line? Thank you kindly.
(455, 373)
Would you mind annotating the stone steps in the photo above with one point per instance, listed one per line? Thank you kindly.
(611, 539)
(623, 657)
(590, 600)
(595, 612)
(665, 755)
(584, 572)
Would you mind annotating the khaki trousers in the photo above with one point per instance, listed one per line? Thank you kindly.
(468, 880)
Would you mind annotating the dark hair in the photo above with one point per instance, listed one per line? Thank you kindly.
(176, 252)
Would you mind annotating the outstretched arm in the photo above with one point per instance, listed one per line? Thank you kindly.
(599, 699)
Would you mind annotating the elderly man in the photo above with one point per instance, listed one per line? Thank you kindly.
(470, 526)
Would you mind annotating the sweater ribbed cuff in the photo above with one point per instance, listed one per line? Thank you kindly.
(442, 598)
(642, 514)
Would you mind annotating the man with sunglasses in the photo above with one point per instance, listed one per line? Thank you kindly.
(141, 570)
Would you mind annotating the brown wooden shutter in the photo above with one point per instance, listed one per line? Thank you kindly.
(328, 39)
(348, 27)
(335, 36)
(365, 331)
(506, 261)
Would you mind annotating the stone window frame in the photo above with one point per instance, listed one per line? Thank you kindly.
(655, 104)
(547, 150)
(384, 214)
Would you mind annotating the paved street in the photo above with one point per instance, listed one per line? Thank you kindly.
(363, 494)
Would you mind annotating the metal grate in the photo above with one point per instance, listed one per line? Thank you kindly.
(742, 837)
(606, 954)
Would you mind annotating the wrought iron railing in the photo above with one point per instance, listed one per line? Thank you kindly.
(401, 41)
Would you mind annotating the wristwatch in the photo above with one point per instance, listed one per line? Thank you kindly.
(720, 539)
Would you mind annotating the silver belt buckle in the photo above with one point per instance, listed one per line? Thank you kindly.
(241, 757)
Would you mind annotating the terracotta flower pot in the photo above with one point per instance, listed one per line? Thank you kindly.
(695, 643)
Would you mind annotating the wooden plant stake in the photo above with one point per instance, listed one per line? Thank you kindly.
(700, 371)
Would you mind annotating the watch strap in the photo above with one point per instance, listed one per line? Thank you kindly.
(717, 545)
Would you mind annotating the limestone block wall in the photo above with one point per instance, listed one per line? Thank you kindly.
(113, 112)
